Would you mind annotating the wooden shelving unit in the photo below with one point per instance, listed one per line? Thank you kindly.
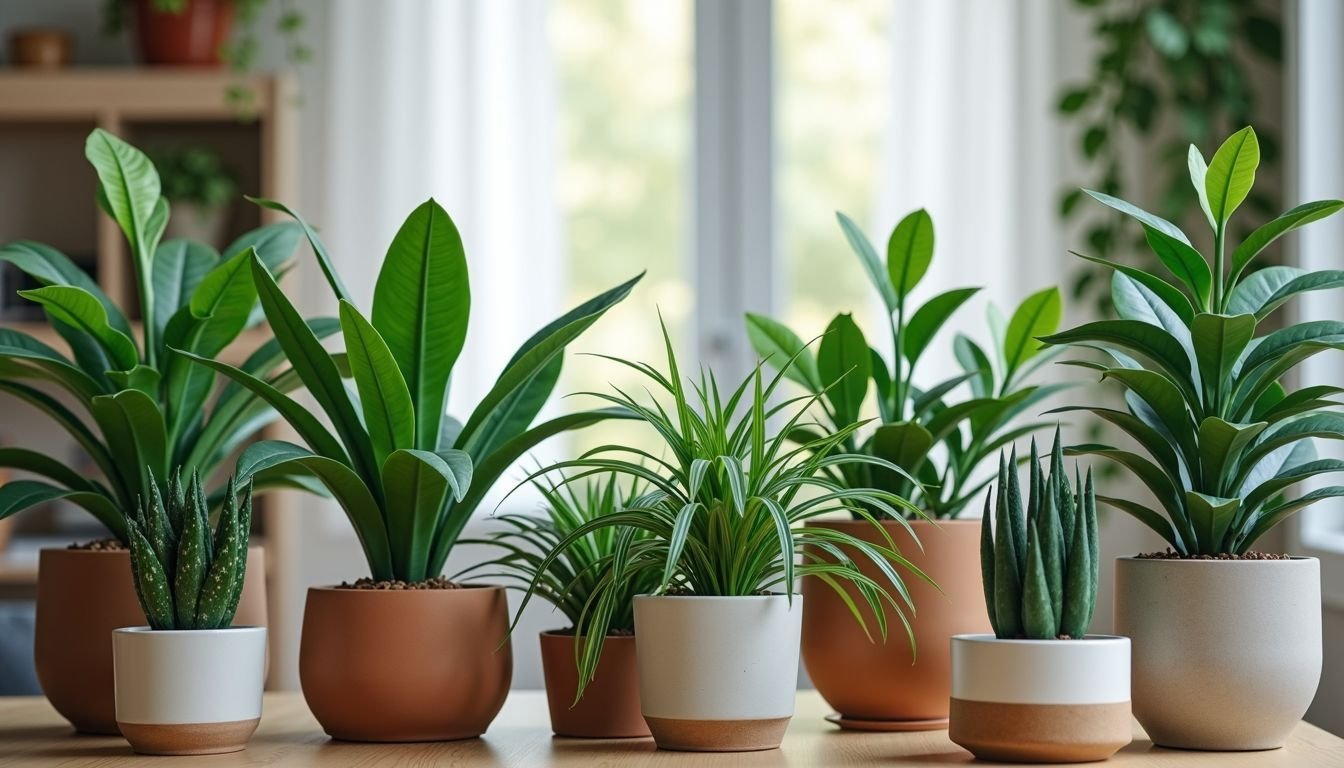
(47, 194)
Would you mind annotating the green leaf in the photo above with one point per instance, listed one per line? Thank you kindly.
(179, 266)
(906, 445)
(82, 311)
(1267, 233)
(868, 257)
(1038, 315)
(1168, 293)
(1198, 172)
(1252, 293)
(1219, 342)
(974, 360)
(1220, 450)
(134, 430)
(1138, 338)
(1184, 262)
(1134, 301)
(18, 495)
(930, 317)
(1281, 342)
(417, 484)
(1211, 517)
(776, 345)
(274, 243)
(19, 346)
(319, 250)
(386, 401)
(1232, 173)
(130, 186)
(421, 303)
(1311, 281)
(845, 364)
(49, 266)
(1144, 217)
(910, 251)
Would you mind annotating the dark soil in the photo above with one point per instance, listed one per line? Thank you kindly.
(101, 545)
(1171, 555)
(438, 582)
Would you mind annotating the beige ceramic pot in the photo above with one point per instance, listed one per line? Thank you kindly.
(405, 665)
(1227, 653)
(876, 685)
(82, 595)
(609, 708)
(1040, 701)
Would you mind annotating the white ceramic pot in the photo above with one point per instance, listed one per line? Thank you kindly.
(1227, 653)
(188, 692)
(718, 674)
(1045, 701)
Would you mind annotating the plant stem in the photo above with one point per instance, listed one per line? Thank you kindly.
(898, 365)
(146, 311)
(1218, 234)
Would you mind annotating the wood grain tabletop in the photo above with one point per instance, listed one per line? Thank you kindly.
(32, 734)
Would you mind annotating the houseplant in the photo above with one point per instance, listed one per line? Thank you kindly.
(942, 434)
(389, 658)
(609, 706)
(1040, 689)
(131, 406)
(201, 190)
(201, 32)
(720, 528)
(1227, 641)
(189, 683)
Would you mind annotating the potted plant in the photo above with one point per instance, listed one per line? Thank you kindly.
(1227, 640)
(943, 435)
(201, 190)
(720, 528)
(1040, 689)
(189, 683)
(405, 654)
(134, 408)
(609, 704)
(200, 33)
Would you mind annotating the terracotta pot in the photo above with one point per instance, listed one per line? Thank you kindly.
(406, 665)
(883, 686)
(192, 38)
(1040, 701)
(40, 48)
(189, 692)
(718, 674)
(83, 595)
(609, 708)
(1227, 653)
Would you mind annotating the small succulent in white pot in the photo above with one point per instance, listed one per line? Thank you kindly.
(190, 683)
(1040, 689)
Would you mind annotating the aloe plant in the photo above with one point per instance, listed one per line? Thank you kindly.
(724, 509)
(938, 435)
(407, 475)
(1040, 572)
(1204, 392)
(187, 576)
(132, 407)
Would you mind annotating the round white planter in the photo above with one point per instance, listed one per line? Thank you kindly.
(188, 692)
(1227, 653)
(718, 674)
(1053, 701)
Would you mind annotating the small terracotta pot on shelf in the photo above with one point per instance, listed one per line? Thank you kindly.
(405, 665)
(40, 48)
(189, 692)
(193, 37)
(609, 708)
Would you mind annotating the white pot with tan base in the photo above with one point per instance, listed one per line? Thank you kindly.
(1040, 701)
(188, 692)
(718, 674)
(1227, 653)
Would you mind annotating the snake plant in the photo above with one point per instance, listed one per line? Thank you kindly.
(940, 434)
(1203, 380)
(187, 576)
(133, 407)
(407, 475)
(1040, 572)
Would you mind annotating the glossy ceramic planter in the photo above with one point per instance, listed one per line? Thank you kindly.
(718, 674)
(405, 665)
(1040, 701)
(609, 708)
(876, 685)
(83, 595)
(195, 692)
(1227, 653)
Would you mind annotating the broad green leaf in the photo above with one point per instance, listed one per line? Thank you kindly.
(141, 377)
(1220, 451)
(1152, 476)
(974, 360)
(1038, 315)
(1267, 233)
(417, 484)
(1146, 516)
(1252, 293)
(1185, 263)
(1272, 517)
(274, 243)
(82, 311)
(19, 346)
(46, 466)
(134, 430)
(910, 251)
(1144, 217)
(1211, 517)
(1169, 294)
(1219, 342)
(1137, 338)
(179, 266)
(18, 495)
(49, 266)
(130, 187)
(930, 317)
(845, 364)
(1232, 173)
(1199, 170)
(1280, 342)
(863, 248)
(73, 426)
(1311, 281)
(777, 346)
(906, 445)
(1263, 491)
(319, 250)
(1134, 301)
(388, 412)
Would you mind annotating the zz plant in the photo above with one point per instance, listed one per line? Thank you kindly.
(725, 505)
(186, 576)
(131, 405)
(1203, 381)
(407, 475)
(1040, 572)
(939, 436)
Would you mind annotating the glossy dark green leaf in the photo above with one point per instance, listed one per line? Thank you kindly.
(386, 401)
(844, 363)
(319, 250)
(1269, 232)
(1169, 294)
(777, 346)
(1219, 342)
(1038, 315)
(49, 266)
(909, 251)
(81, 310)
(1251, 294)
(418, 485)
(1185, 263)
(179, 266)
(929, 318)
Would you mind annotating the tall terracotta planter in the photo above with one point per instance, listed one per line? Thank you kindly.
(609, 708)
(1227, 653)
(82, 596)
(405, 665)
(193, 37)
(881, 686)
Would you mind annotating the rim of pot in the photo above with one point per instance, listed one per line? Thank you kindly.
(248, 629)
(990, 639)
(771, 596)
(885, 520)
(356, 590)
(570, 633)
(1198, 561)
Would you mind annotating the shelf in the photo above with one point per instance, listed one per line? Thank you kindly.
(131, 94)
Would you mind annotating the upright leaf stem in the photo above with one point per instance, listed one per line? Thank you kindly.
(1218, 236)
(898, 365)
(143, 279)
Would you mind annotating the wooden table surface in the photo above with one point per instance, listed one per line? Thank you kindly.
(32, 734)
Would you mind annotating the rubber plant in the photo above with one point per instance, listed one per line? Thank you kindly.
(939, 434)
(131, 405)
(187, 576)
(1040, 572)
(407, 475)
(1203, 385)
(725, 505)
